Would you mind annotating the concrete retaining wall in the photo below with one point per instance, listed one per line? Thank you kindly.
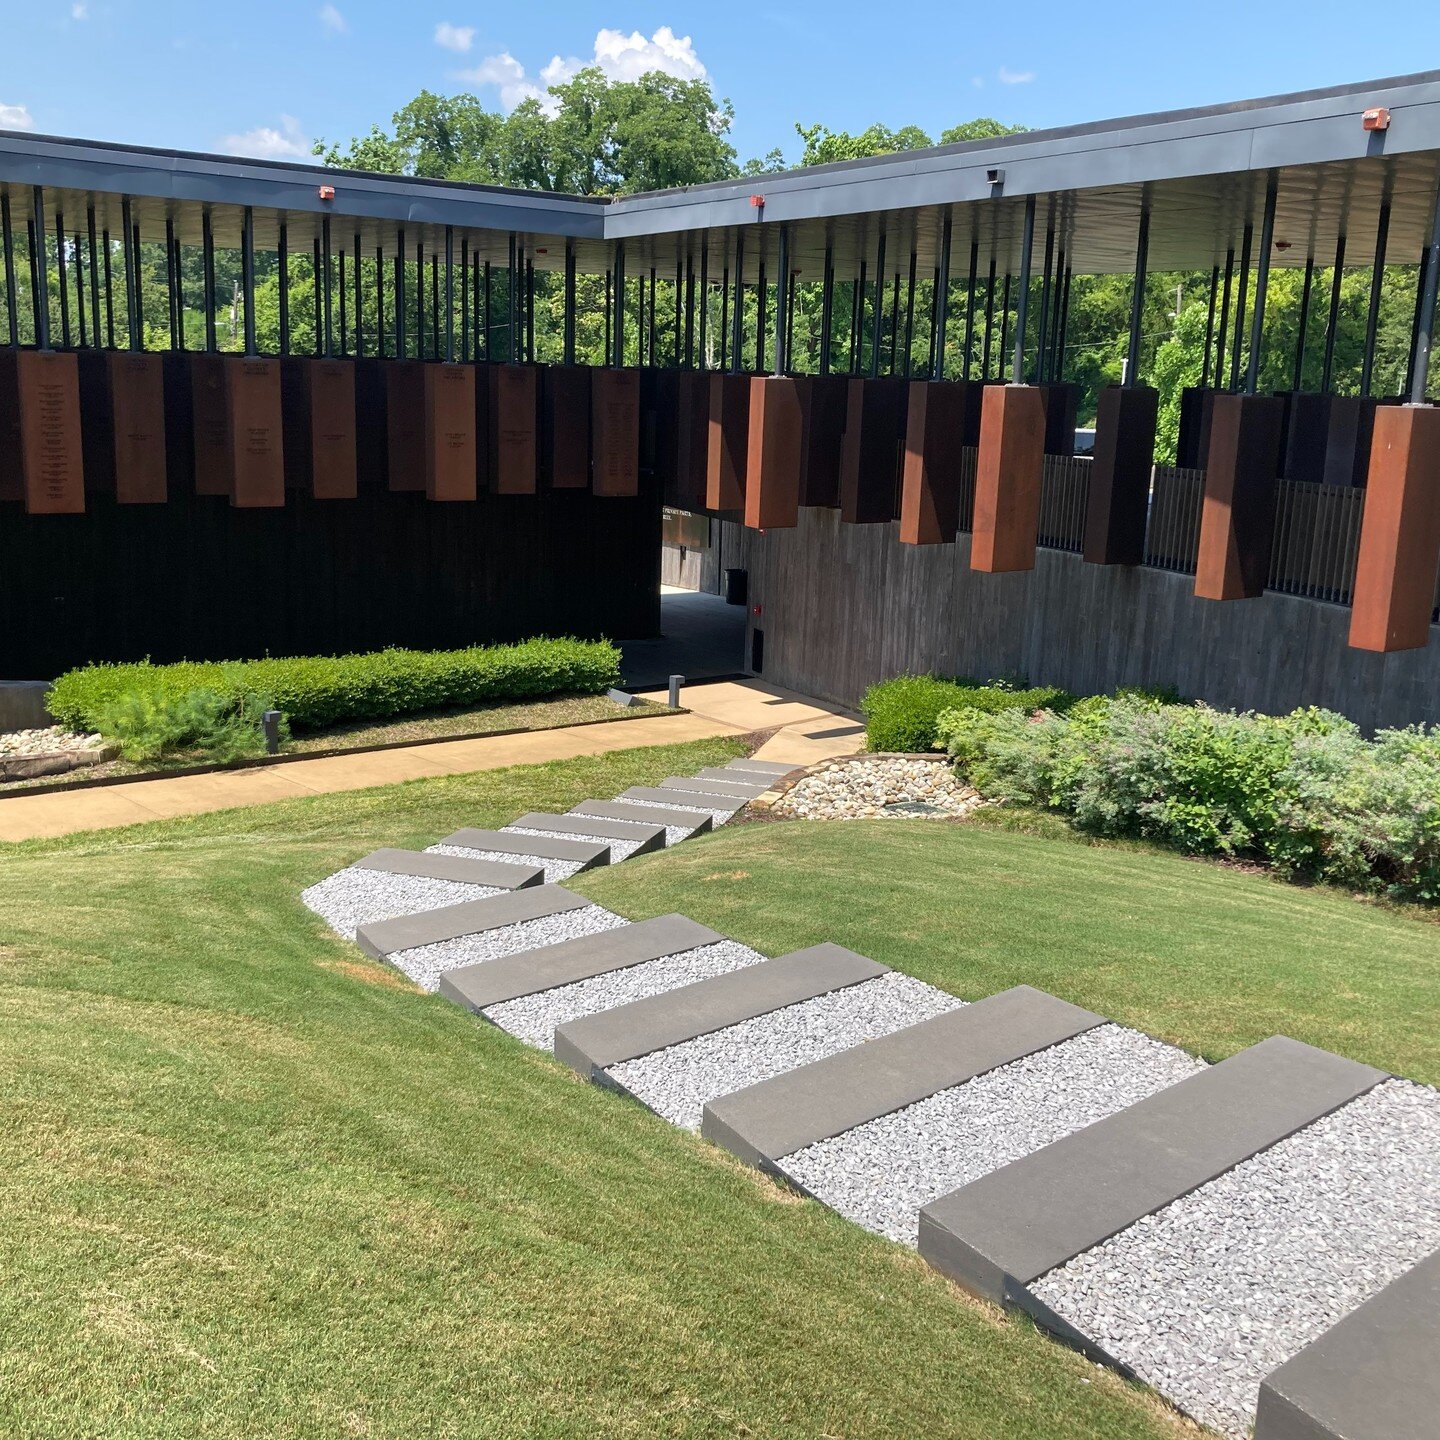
(842, 606)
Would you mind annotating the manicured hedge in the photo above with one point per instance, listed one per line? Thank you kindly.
(1306, 793)
(320, 690)
(901, 714)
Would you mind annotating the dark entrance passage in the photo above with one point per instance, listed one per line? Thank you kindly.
(701, 638)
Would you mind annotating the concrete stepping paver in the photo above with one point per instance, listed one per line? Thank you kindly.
(497, 873)
(597, 1042)
(665, 816)
(999, 1234)
(818, 1101)
(735, 789)
(650, 836)
(1371, 1377)
(584, 853)
(493, 982)
(431, 927)
(720, 807)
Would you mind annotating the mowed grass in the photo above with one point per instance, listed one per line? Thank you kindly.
(254, 1184)
(1201, 955)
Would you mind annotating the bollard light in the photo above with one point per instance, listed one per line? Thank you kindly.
(676, 681)
(270, 725)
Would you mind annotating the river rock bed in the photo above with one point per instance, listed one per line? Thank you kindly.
(860, 788)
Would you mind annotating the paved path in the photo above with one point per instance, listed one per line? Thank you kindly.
(719, 709)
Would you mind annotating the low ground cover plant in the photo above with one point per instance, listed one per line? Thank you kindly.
(1306, 793)
(901, 714)
(315, 691)
(205, 723)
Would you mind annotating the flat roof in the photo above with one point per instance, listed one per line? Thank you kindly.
(1202, 171)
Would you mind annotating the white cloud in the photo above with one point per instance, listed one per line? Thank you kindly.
(1007, 76)
(333, 20)
(507, 75)
(79, 11)
(16, 117)
(618, 55)
(458, 38)
(265, 142)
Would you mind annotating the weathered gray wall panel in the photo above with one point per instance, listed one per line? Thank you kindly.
(845, 605)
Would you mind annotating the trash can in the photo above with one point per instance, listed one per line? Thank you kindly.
(737, 587)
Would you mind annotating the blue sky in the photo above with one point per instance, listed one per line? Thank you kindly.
(265, 77)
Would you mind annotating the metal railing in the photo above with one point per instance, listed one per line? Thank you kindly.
(969, 467)
(1064, 491)
(1317, 540)
(1172, 531)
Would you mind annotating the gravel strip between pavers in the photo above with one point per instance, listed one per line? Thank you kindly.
(356, 897)
(882, 1173)
(425, 964)
(555, 870)
(1207, 1296)
(719, 816)
(533, 1018)
(676, 1082)
(619, 849)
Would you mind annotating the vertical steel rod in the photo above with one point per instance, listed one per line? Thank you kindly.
(569, 302)
(942, 296)
(1425, 330)
(1262, 284)
(1022, 303)
(782, 306)
(94, 274)
(1247, 240)
(1297, 375)
(449, 294)
(282, 262)
(38, 268)
(1137, 298)
(970, 307)
(1377, 287)
(878, 315)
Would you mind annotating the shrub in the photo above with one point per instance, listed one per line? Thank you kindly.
(207, 723)
(316, 691)
(901, 714)
(1304, 792)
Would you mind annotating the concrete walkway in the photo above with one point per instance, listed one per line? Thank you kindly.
(719, 709)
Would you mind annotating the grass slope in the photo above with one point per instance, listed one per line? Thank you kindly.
(1196, 953)
(253, 1184)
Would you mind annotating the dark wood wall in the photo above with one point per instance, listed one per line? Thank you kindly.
(198, 578)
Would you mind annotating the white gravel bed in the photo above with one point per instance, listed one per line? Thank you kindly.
(881, 1174)
(619, 849)
(425, 964)
(354, 897)
(52, 740)
(1204, 1298)
(861, 788)
(677, 1082)
(719, 816)
(555, 870)
(534, 1018)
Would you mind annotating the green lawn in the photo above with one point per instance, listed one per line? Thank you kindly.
(1196, 953)
(255, 1185)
